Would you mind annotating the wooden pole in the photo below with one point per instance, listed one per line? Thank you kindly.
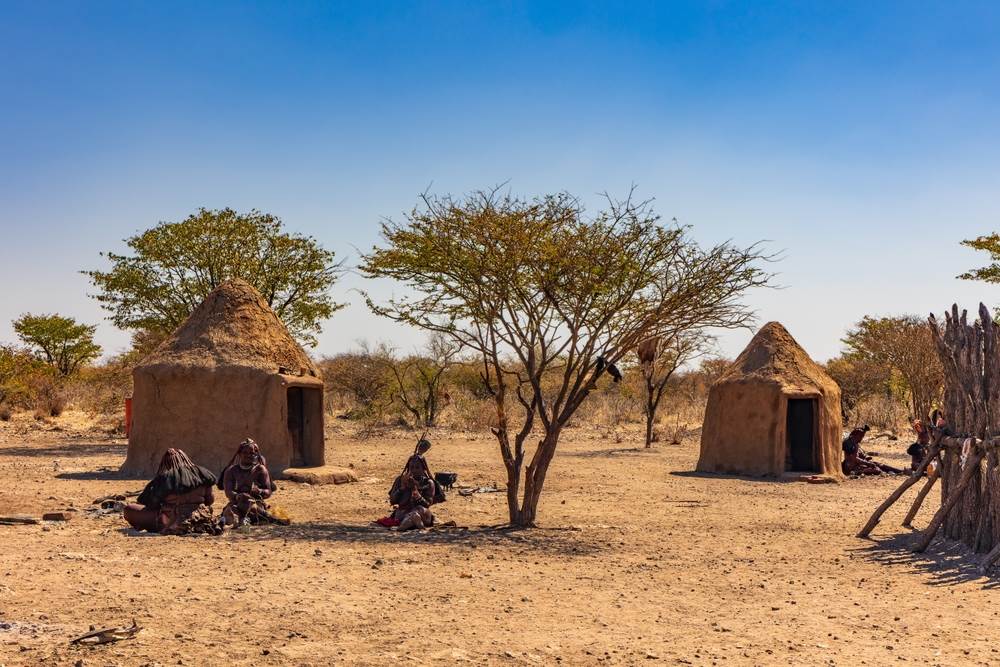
(990, 558)
(919, 500)
(971, 466)
(907, 483)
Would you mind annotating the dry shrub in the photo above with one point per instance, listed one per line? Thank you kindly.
(471, 413)
(359, 381)
(881, 412)
(49, 396)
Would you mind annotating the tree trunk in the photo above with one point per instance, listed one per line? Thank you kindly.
(534, 480)
(649, 425)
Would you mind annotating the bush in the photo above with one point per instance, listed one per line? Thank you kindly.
(50, 396)
(881, 412)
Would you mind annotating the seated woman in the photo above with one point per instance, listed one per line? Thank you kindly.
(412, 494)
(247, 484)
(177, 500)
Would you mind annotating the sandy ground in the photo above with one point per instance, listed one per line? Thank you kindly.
(638, 561)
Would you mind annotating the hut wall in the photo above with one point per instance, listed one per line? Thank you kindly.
(207, 412)
(744, 429)
(740, 429)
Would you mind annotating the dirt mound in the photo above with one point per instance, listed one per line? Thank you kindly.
(233, 326)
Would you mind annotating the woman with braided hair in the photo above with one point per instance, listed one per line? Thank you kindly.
(177, 500)
(247, 484)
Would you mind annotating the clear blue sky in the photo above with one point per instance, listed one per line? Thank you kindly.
(861, 138)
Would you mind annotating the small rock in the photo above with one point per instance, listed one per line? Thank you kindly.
(57, 516)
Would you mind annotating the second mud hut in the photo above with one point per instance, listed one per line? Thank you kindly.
(774, 410)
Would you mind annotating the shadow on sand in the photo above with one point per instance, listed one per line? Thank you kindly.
(947, 562)
(602, 453)
(564, 541)
(747, 478)
(68, 450)
(101, 474)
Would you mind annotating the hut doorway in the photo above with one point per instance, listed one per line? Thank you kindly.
(800, 429)
(305, 405)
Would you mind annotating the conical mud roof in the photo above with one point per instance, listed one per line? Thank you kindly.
(773, 355)
(233, 326)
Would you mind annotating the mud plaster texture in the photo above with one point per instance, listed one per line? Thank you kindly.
(744, 430)
(223, 376)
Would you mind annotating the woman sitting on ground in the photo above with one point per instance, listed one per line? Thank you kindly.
(412, 494)
(177, 500)
(247, 484)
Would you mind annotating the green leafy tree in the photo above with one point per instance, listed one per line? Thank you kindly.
(61, 341)
(904, 345)
(174, 265)
(991, 272)
(537, 289)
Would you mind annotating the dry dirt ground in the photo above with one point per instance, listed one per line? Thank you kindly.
(638, 561)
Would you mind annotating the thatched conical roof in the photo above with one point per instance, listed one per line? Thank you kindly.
(233, 326)
(774, 356)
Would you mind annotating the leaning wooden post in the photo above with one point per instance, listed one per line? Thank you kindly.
(953, 497)
(919, 500)
(907, 483)
(990, 558)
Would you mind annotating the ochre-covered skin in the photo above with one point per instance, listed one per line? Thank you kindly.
(223, 376)
(744, 428)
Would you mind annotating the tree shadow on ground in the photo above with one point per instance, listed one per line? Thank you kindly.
(602, 453)
(100, 474)
(67, 450)
(947, 562)
(562, 541)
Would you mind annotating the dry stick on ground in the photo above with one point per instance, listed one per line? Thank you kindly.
(907, 483)
(919, 500)
(970, 468)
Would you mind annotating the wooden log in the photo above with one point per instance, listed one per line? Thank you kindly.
(989, 559)
(900, 490)
(953, 498)
(919, 500)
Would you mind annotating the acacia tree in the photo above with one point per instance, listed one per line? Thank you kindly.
(176, 264)
(537, 288)
(62, 342)
(989, 244)
(419, 376)
(659, 359)
(906, 345)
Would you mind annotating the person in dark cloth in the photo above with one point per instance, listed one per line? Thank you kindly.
(247, 485)
(178, 500)
(412, 495)
(857, 462)
(918, 450)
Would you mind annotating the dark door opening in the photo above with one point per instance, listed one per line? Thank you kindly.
(800, 429)
(305, 426)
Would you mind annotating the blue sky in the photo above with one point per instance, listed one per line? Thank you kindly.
(859, 138)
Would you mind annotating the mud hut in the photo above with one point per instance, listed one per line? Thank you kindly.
(231, 371)
(774, 410)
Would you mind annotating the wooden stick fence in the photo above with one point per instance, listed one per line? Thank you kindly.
(966, 450)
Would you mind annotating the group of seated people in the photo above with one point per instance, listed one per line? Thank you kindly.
(858, 462)
(179, 498)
